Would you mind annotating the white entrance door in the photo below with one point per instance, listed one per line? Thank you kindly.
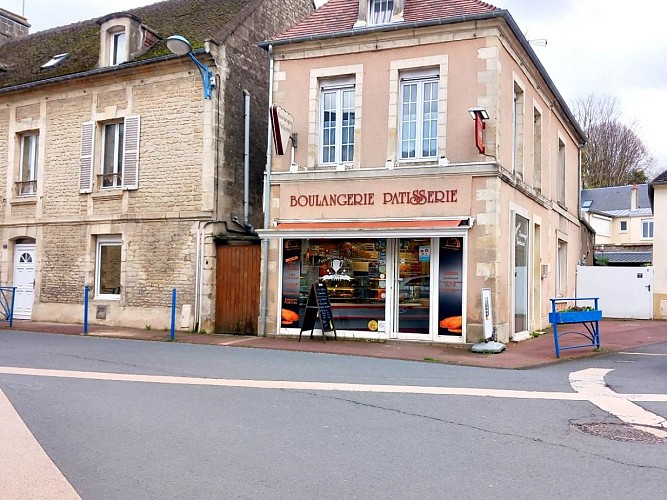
(24, 280)
(412, 288)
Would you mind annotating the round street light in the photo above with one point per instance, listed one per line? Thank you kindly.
(181, 46)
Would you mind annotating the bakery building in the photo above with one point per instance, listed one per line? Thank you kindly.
(428, 156)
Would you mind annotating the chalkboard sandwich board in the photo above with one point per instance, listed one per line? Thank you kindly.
(318, 307)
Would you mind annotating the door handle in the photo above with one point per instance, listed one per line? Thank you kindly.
(649, 287)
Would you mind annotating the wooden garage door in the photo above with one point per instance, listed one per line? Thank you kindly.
(237, 292)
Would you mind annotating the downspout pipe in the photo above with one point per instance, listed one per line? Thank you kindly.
(246, 159)
(263, 306)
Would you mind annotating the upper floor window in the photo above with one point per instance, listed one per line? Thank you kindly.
(112, 155)
(380, 11)
(561, 173)
(517, 131)
(537, 149)
(337, 119)
(27, 183)
(623, 226)
(647, 228)
(117, 157)
(419, 117)
(117, 48)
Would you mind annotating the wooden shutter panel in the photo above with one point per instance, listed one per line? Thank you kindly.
(86, 157)
(131, 153)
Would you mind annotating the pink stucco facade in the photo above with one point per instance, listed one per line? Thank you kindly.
(512, 210)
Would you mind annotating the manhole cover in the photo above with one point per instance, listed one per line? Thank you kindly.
(620, 432)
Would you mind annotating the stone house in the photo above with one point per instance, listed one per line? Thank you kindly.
(657, 191)
(429, 157)
(623, 223)
(124, 166)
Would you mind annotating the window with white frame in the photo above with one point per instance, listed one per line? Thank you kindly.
(337, 117)
(419, 116)
(623, 226)
(117, 48)
(647, 229)
(517, 131)
(561, 278)
(561, 173)
(380, 11)
(112, 155)
(108, 266)
(27, 183)
(537, 149)
(117, 157)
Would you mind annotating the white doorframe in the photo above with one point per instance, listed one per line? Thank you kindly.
(517, 281)
(24, 280)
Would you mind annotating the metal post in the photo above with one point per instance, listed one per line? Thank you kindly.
(173, 313)
(85, 310)
(11, 311)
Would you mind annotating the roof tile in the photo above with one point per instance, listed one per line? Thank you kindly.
(340, 15)
(196, 20)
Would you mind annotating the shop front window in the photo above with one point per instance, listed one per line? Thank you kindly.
(355, 275)
(450, 285)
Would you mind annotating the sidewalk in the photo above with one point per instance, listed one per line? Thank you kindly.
(615, 335)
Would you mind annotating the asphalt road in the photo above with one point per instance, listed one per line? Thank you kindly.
(122, 419)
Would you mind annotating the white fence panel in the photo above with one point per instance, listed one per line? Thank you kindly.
(624, 292)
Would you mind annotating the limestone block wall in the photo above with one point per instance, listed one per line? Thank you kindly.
(245, 66)
(62, 254)
(62, 137)
(159, 256)
(171, 154)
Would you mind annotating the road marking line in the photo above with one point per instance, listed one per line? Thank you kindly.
(26, 471)
(237, 341)
(300, 386)
(324, 386)
(643, 353)
(590, 382)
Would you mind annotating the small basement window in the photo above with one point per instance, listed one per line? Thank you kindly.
(55, 61)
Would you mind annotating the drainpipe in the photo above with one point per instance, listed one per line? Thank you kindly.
(263, 306)
(246, 159)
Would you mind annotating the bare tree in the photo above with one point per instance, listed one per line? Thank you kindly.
(614, 155)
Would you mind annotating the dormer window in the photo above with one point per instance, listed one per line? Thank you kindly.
(380, 11)
(55, 61)
(117, 48)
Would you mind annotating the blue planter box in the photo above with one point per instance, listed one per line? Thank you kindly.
(575, 316)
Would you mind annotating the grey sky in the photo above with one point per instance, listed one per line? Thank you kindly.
(593, 46)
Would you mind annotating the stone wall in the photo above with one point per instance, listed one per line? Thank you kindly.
(64, 116)
(62, 253)
(12, 26)
(248, 68)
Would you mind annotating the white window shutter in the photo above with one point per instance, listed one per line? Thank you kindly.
(131, 153)
(86, 158)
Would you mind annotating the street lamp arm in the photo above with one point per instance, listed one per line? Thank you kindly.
(180, 46)
(206, 76)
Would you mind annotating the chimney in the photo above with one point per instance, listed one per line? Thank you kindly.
(12, 26)
(634, 195)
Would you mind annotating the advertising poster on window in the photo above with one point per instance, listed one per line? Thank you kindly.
(289, 313)
(450, 287)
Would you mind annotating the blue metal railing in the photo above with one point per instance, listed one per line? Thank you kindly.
(7, 294)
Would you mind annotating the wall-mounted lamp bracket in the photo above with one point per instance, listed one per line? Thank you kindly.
(181, 46)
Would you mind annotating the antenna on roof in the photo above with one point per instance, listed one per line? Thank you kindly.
(23, 11)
